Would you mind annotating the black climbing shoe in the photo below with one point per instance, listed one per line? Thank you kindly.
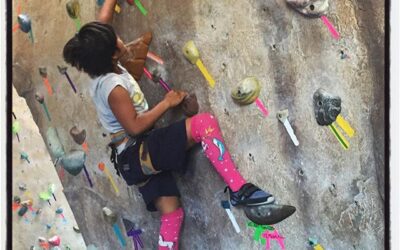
(250, 195)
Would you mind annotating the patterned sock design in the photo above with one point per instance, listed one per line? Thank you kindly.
(170, 230)
(205, 129)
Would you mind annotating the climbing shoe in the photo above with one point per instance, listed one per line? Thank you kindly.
(250, 195)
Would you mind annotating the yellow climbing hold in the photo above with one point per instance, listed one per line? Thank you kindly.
(345, 126)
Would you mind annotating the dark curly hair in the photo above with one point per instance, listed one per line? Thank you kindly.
(92, 48)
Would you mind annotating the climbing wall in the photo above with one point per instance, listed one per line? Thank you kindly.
(336, 187)
(40, 211)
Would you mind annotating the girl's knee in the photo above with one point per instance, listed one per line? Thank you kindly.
(167, 204)
(205, 119)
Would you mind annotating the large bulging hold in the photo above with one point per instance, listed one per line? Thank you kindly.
(247, 91)
(74, 162)
(54, 143)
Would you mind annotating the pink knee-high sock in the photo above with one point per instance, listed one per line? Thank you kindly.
(205, 129)
(170, 230)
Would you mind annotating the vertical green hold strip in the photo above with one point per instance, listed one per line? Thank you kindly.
(140, 7)
(31, 36)
(77, 24)
(46, 110)
(339, 136)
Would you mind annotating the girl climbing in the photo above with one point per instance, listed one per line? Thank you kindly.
(145, 157)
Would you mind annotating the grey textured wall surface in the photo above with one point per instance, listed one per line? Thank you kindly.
(338, 193)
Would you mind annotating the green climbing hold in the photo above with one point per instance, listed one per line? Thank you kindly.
(24, 156)
(16, 127)
(45, 196)
(259, 229)
(52, 188)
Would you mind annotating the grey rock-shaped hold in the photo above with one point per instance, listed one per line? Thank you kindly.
(310, 8)
(54, 143)
(74, 162)
(326, 107)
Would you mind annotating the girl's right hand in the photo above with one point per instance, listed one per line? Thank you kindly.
(174, 98)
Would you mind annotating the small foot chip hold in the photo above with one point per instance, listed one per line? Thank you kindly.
(27, 203)
(109, 215)
(22, 187)
(268, 214)
(314, 243)
(283, 117)
(76, 229)
(63, 71)
(17, 199)
(38, 211)
(25, 157)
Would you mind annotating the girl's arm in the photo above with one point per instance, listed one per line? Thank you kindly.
(107, 11)
(134, 123)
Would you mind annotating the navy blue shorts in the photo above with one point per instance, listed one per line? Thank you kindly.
(167, 148)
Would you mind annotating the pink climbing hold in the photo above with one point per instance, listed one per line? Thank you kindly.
(331, 28)
(55, 240)
(262, 107)
(268, 235)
